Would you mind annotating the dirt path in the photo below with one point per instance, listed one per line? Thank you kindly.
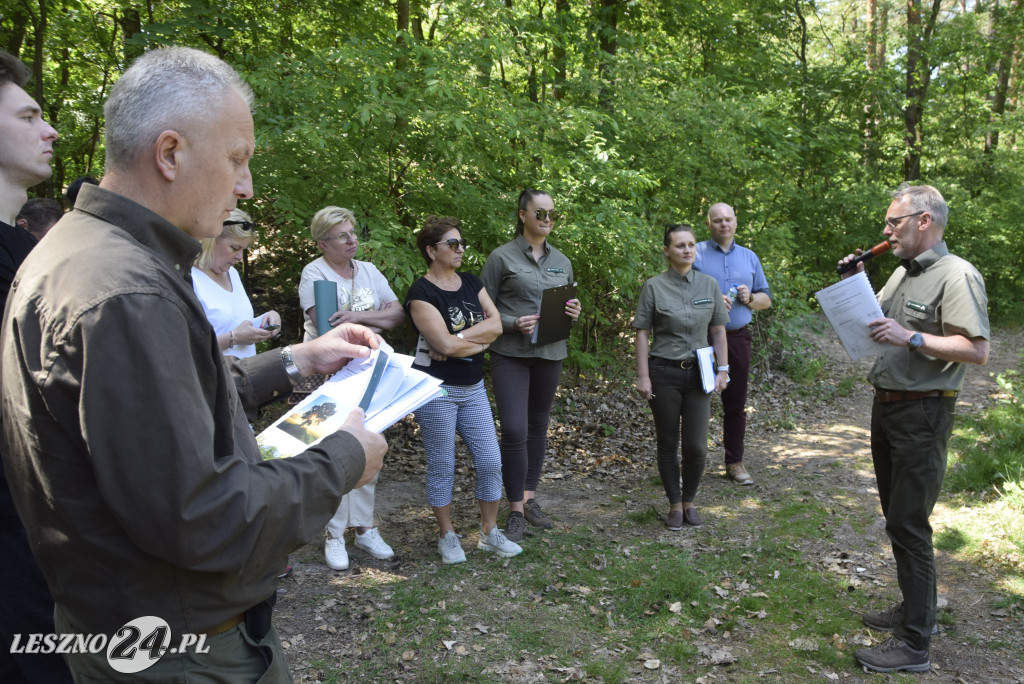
(798, 442)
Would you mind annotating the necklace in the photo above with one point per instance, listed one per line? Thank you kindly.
(352, 287)
(446, 286)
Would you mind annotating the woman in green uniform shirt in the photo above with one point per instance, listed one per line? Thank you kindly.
(524, 375)
(682, 307)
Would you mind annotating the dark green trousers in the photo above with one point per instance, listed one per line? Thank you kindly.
(681, 411)
(908, 447)
(233, 657)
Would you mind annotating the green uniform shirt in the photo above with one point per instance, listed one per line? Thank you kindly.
(515, 282)
(936, 293)
(679, 309)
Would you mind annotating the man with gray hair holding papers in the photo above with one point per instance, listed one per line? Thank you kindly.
(935, 321)
(158, 526)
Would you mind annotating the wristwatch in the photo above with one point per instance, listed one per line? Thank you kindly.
(289, 365)
(916, 342)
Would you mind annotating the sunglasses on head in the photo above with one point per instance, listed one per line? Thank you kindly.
(246, 225)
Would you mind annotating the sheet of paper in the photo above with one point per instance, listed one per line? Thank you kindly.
(850, 305)
(400, 390)
(706, 363)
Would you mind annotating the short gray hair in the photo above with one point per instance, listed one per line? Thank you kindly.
(327, 218)
(924, 198)
(166, 89)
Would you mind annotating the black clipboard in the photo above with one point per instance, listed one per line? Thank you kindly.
(554, 325)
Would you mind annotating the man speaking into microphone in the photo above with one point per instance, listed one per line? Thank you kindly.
(935, 321)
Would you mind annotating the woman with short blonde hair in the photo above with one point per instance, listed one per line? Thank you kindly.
(366, 298)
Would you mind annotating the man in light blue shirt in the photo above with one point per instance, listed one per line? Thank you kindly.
(745, 290)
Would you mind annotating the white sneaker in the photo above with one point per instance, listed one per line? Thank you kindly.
(450, 548)
(498, 543)
(372, 544)
(337, 556)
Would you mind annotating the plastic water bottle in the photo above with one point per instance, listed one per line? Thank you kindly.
(733, 292)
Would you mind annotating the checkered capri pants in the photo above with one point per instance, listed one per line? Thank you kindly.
(467, 411)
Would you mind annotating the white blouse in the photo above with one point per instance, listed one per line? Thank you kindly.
(225, 310)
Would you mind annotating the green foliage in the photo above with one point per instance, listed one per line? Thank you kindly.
(988, 450)
(632, 115)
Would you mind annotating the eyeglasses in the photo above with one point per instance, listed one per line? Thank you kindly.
(246, 225)
(344, 236)
(544, 214)
(895, 220)
(455, 243)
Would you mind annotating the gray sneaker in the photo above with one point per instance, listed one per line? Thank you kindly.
(886, 620)
(535, 516)
(450, 548)
(892, 655)
(515, 526)
(498, 543)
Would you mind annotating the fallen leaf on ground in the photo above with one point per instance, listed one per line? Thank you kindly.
(804, 644)
(711, 655)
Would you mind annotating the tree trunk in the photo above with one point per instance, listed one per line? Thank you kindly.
(16, 35)
(1004, 31)
(396, 170)
(608, 40)
(561, 36)
(874, 60)
(131, 24)
(919, 37)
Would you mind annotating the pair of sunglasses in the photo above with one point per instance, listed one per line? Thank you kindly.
(246, 225)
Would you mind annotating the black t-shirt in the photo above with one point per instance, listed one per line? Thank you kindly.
(15, 244)
(460, 310)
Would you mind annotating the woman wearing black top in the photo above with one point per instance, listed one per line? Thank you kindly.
(456, 321)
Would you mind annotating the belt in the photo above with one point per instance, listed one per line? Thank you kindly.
(231, 622)
(886, 396)
(685, 364)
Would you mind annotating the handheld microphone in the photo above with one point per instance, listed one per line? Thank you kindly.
(880, 248)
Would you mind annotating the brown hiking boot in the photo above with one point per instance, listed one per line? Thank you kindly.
(515, 526)
(738, 474)
(886, 620)
(535, 516)
(892, 655)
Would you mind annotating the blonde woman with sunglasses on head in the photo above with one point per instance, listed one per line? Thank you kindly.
(219, 288)
(524, 375)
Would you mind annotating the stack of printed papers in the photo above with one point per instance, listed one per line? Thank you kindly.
(384, 385)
